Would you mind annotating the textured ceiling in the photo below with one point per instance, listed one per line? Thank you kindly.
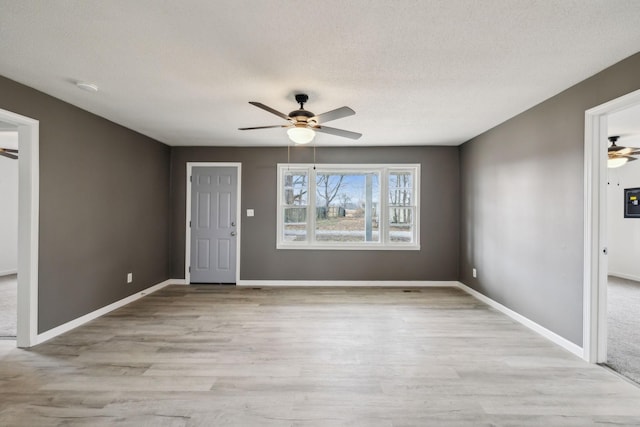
(416, 72)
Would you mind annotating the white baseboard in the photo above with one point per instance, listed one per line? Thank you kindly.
(625, 276)
(541, 330)
(8, 272)
(58, 330)
(344, 283)
(179, 282)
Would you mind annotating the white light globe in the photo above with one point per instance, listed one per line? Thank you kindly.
(301, 135)
(616, 162)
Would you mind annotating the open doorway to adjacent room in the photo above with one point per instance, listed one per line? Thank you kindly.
(8, 230)
(28, 206)
(623, 244)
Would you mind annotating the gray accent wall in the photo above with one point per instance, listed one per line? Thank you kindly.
(260, 260)
(522, 204)
(104, 207)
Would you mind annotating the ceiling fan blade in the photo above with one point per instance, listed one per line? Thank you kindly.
(9, 155)
(619, 150)
(623, 153)
(271, 110)
(264, 127)
(9, 150)
(338, 113)
(617, 157)
(337, 132)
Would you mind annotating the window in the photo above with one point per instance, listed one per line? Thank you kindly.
(348, 206)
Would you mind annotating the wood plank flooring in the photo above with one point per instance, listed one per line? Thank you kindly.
(217, 356)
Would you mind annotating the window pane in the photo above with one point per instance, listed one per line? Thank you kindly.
(401, 225)
(340, 206)
(400, 189)
(347, 206)
(295, 224)
(295, 188)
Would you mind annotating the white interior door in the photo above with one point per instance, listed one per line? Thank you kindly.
(214, 192)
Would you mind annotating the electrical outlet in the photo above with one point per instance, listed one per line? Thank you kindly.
(475, 273)
(129, 277)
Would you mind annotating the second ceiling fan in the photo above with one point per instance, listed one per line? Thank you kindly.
(619, 155)
(9, 153)
(303, 124)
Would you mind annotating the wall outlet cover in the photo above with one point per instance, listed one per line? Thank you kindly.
(129, 277)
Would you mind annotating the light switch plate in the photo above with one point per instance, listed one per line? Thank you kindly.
(129, 277)
(249, 212)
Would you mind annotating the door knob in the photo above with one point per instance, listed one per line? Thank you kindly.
(233, 233)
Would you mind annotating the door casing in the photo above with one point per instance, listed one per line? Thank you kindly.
(187, 257)
(28, 225)
(594, 338)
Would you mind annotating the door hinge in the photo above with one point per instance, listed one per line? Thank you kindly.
(191, 178)
(189, 224)
(189, 269)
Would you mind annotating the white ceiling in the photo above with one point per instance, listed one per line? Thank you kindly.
(626, 125)
(417, 72)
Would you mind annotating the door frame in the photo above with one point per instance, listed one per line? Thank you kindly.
(594, 336)
(28, 225)
(187, 256)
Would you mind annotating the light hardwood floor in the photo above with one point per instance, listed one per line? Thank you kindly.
(214, 356)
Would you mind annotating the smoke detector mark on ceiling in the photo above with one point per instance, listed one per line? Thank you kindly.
(89, 87)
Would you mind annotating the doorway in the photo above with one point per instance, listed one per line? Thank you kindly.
(28, 233)
(623, 236)
(8, 230)
(596, 234)
(212, 252)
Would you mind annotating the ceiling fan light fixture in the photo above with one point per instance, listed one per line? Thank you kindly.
(301, 134)
(302, 124)
(616, 162)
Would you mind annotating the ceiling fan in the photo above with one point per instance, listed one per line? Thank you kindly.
(619, 155)
(9, 152)
(303, 124)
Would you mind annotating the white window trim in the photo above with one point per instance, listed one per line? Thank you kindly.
(383, 170)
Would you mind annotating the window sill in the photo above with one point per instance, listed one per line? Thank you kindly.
(342, 247)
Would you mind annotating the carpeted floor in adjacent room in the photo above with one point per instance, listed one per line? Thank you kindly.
(623, 344)
(8, 302)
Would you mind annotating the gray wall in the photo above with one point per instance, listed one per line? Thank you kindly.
(522, 204)
(439, 219)
(104, 207)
